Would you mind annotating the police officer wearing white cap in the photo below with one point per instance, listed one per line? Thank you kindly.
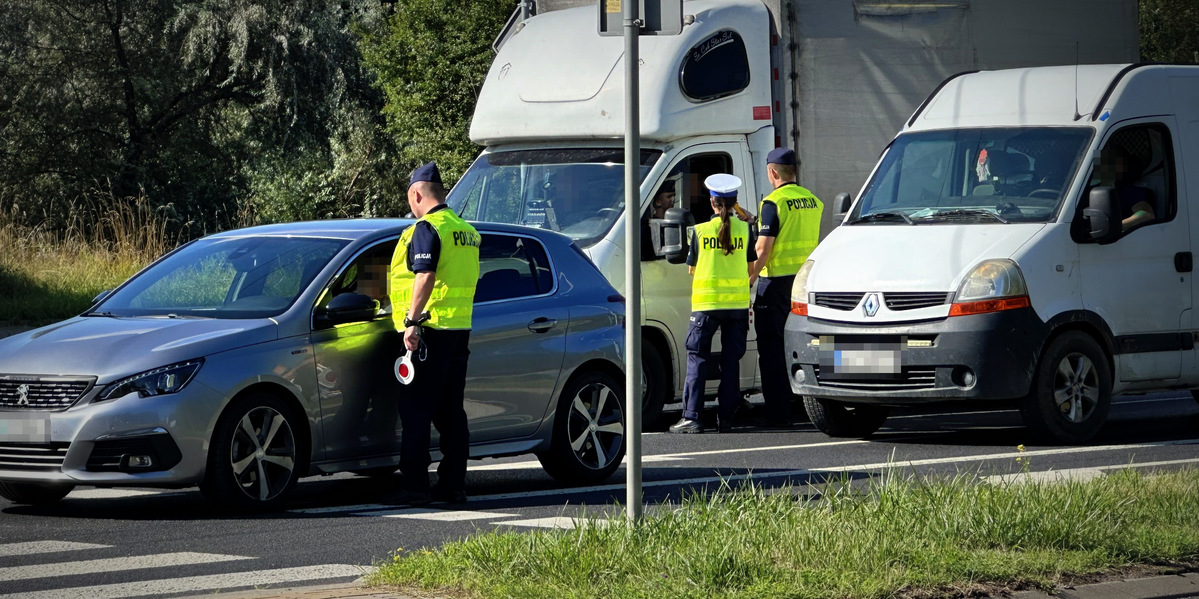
(721, 255)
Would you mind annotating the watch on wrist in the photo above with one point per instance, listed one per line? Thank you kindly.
(408, 322)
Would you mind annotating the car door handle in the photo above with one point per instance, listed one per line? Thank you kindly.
(542, 324)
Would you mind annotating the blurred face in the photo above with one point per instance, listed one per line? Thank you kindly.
(663, 202)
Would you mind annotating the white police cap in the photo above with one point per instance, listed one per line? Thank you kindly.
(723, 185)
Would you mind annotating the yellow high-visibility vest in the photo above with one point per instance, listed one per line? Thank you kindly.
(799, 229)
(721, 280)
(452, 302)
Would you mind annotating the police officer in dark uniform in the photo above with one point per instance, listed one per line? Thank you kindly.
(788, 231)
(433, 276)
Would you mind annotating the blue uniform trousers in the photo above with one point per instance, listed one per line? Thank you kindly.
(734, 327)
(771, 307)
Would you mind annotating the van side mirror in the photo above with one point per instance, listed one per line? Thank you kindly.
(671, 239)
(1103, 222)
(842, 202)
(346, 308)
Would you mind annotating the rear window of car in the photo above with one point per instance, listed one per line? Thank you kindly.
(512, 266)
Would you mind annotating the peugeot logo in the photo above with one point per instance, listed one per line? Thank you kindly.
(23, 395)
(870, 306)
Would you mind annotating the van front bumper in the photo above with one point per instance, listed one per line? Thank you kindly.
(977, 357)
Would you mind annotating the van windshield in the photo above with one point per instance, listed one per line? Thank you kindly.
(994, 175)
(578, 192)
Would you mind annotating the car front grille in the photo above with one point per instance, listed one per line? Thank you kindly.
(838, 301)
(910, 378)
(42, 393)
(32, 457)
(905, 300)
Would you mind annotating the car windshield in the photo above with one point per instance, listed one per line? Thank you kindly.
(227, 277)
(578, 192)
(994, 175)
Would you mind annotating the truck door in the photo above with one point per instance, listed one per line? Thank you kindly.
(1141, 285)
(667, 287)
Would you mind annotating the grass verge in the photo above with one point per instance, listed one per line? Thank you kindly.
(51, 274)
(898, 536)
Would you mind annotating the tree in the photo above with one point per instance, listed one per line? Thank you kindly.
(1169, 31)
(430, 59)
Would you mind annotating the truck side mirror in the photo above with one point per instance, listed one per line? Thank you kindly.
(672, 238)
(1103, 222)
(842, 202)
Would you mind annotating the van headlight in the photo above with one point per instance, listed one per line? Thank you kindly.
(992, 286)
(160, 381)
(799, 289)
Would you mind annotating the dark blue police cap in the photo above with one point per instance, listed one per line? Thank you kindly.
(426, 172)
(781, 156)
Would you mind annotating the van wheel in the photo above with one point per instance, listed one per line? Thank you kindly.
(656, 387)
(1071, 392)
(34, 493)
(841, 419)
(589, 439)
(256, 453)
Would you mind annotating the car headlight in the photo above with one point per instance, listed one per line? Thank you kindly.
(160, 381)
(992, 286)
(799, 289)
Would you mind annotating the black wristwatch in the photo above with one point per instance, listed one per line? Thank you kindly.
(424, 317)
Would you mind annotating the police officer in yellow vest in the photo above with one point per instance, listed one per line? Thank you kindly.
(433, 276)
(720, 258)
(788, 231)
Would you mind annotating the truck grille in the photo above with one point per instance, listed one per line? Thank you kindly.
(838, 301)
(923, 377)
(42, 393)
(33, 457)
(906, 300)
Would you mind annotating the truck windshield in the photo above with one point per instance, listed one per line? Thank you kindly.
(578, 192)
(994, 175)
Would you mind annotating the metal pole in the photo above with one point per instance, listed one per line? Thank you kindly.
(632, 262)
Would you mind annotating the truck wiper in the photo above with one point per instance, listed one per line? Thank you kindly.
(884, 215)
(968, 212)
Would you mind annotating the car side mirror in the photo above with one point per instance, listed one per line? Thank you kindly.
(100, 296)
(347, 308)
(672, 239)
(843, 202)
(1103, 222)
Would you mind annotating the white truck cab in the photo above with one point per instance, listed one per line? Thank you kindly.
(1026, 238)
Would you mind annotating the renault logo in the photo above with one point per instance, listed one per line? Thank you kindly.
(870, 306)
(23, 395)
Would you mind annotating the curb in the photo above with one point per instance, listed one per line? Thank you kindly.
(1177, 586)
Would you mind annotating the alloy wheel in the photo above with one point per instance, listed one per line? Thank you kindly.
(263, 453)
(596, 425)
(1076, 387)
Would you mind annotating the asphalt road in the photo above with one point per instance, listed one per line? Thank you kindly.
(142, 542)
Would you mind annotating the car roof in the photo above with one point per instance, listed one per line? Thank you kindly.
(370, 228)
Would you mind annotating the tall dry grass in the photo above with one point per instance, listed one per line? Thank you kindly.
(50, 272)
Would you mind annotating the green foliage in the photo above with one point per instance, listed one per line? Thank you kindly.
(430, 60)
(896, 535)
(1169, 31)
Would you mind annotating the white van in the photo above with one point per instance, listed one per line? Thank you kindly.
(993, 254)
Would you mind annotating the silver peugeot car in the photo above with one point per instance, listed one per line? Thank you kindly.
(245, 360)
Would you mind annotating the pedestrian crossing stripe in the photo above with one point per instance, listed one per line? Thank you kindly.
(195, 584)
(559, 522)
(435, 514)
(36, 547)
(116, 564)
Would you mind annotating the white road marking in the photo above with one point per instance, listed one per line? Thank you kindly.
(34, 547)
(193, 584)
(536, 465)
(361, 507)
(116, 564)
(1086, 473)
(560, 522)
(112, 493)
(433, 514)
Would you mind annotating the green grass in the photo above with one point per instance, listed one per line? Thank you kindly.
(899, 535)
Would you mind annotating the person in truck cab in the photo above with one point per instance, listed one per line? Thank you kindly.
(788, 231)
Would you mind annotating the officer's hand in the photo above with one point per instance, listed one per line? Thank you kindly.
(411, 338)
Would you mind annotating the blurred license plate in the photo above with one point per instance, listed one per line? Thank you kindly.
(24, 430)
(861, 357)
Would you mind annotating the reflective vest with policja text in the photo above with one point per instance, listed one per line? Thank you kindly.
(721, 280)
(799, 229)
(451, 304)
